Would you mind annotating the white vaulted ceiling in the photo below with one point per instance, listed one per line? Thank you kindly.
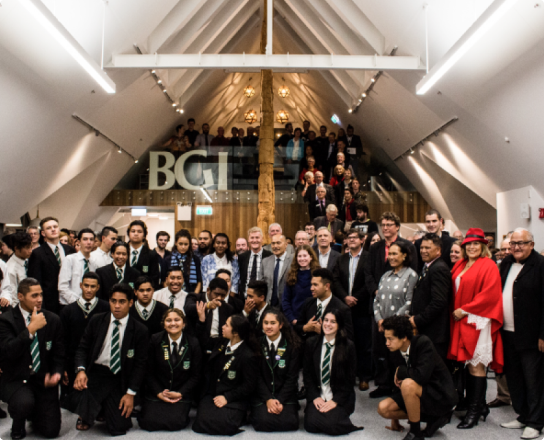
(47, 158)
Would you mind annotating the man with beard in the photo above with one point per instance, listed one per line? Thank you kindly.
(204, 244)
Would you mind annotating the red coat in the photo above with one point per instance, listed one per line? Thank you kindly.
(480, 293)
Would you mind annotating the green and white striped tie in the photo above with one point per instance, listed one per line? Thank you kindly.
(85, 266)
(119, 274)
(319, 312)
(134, 258)
(115, 357)
(172, 299)
(34, 351)
(57, 255)
(26, 267)
(326, 366)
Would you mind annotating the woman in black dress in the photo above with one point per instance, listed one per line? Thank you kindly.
(173, 373)
(275, 409)
(231, 379)
(329, 377)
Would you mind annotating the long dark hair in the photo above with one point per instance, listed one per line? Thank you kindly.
(240, 325)
(228, 252)
(295, 267)
(369, 237)
(184, 233)
(344, 366)
(286, 330)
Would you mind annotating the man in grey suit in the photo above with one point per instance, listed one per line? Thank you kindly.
(329, 221)
(275, 229)
(276, 268)
(326, 255)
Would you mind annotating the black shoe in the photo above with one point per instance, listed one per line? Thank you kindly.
(135, 413)
(301, 395)
(380, 392)
(412, 436)
(3, 414)
(477, 407)
(436, 423)
(18, 434)
(497, 404)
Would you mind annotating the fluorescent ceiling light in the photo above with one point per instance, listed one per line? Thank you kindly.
(485, 22)
(14, 225)
(163, 218)
(66, 40)
(139, 212)
(206, 195)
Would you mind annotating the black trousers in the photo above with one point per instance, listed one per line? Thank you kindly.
(362, 329)
(162, 416)
(264, 421)
(384, 373)
(38, 404)
(523, 370)
(334, 422)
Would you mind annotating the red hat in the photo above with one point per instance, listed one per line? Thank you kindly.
(474, 234)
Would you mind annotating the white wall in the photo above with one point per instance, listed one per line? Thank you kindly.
(509, 213)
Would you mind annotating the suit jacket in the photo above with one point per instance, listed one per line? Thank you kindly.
(245, 271)
(108, 278)
(342, 374)
(431, 303)
(43, 266)
(148, 264)
(315, 209)
(162, 374)
(333, 258)
(134, 349)
(257, 327)
(309, 309)
(342, 210)
(447, 242)
(337, 225)
(355, 143)
(268, 274)
(359, 291)
(528, 297)
(310, 193)
(376, 265)
(16, 357)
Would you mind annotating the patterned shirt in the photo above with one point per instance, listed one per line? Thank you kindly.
(212, 263)
(395, 293)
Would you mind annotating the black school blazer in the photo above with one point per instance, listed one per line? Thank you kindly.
(108, 278)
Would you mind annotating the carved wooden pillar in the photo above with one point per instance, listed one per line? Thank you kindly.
(267, 209)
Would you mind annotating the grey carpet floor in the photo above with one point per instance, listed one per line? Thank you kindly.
(365, 415)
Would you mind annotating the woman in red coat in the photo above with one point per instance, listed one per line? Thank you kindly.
(476, 320)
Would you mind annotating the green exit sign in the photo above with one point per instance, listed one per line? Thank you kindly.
(204, 210)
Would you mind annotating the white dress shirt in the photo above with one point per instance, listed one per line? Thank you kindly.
(7, 290)
(275, 343)
(70, 277)
(214, 330)
(324, 305)
(326, 391)
(25, 319)
(17, 272)
(61, 250)
(177, 341)
(101, 258)
(508, 297)
(83, 303)
(406, 354)
(150, 307)
(252, 256)
(164, 295)
(353, 262)
(324, 258)
(233, 347)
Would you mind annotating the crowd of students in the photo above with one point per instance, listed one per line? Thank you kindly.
(128, 331)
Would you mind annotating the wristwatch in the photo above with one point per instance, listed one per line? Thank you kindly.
(80, 369)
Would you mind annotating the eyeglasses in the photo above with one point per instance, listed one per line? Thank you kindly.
(388, 225)
(513, 244)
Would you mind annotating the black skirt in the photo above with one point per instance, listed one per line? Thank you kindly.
(217, 421)
(334, 422)
(162, 416)
(262, 420)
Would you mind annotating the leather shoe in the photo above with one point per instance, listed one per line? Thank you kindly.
(529, 432)
(514, 424)
(412, 436)
(380, 392)
(301, 395)
(363, 386)
(497, 404)
(18, 434)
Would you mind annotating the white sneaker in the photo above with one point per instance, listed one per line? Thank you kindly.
(529, 432)
(513, 425)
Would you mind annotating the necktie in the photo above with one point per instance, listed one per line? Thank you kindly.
(253, 275)
(85, 266)
(319, 312)
(272, 352)
(34, 350)
(322, 205)
(119, 274)
(257, 317)
(206, 137)
(274, 300)
(423, 273)
(174, 353)
(87, 306)
(26, 267)
(134, 258)
(115, 354)
(229, 351)
(145, 313)
(172, 299)
(57, 255)
(329, 227)
(326, 366)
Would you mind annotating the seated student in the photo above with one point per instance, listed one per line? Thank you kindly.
(208, 312)
(256, 306)
(116, 272)
(173, 295)
(173, 373)
(232, 298)
(426, 390)
(111, 361)
(329, 375)
(230, 380)
(313, 310)
(75, 317)
(31, 337)
(275, 408)
(146, 310)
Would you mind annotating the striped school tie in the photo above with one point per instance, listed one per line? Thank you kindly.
(26, 267)
(326, 366)
(85, 267)
(115, 357)
(119, 274)
(134, 258)
(319, 312)
(172, 299)
(34, 351)
(57, 255)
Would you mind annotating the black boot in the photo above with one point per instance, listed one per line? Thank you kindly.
(476, 405)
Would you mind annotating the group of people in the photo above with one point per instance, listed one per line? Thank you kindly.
(126, 330)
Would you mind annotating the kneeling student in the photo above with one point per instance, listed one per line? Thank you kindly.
(275, 408)
(111, 361)
(329, 378)
(426, 390)
(231, 379)
(173, 373)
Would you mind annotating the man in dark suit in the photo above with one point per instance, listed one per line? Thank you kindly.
(256, 306)
(326, 255)
(145, 309)
(318, 207)
(32, 363)
(140, 256)
(432, 295)
(116, 272)
(45, 261)
(314, 309)
(349, 286)
(522, 276)
(354, 149)
(111, 361)
(250, 262)
(433, 223)
(330, 221)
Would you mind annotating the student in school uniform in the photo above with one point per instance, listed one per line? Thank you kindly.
(275, 408)
(173, 295)
(231, 379)
(32, 363)
(110, 361)
(146, 310)
(173, 373)
(329, 376)
(140, 257)
(232, 298)
(74, 318)
(256, 306)
(116, 272)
